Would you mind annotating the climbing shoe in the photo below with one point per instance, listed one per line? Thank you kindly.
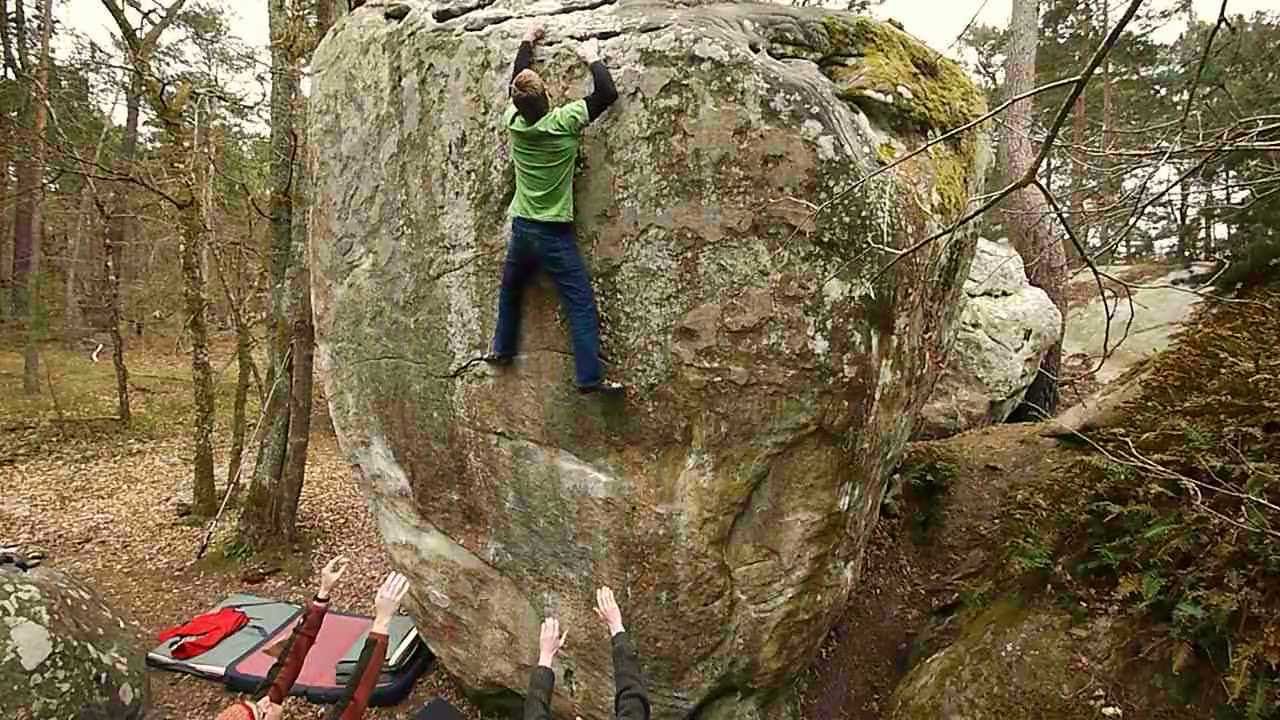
(498, 360)
(604, 387)
(396, 12)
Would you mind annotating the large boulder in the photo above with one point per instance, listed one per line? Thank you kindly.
(1005, 329)
(776, 358)
(64, 653)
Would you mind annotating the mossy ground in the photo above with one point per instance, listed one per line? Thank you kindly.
(1184, 578)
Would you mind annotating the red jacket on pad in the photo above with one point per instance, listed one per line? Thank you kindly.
(203, 632)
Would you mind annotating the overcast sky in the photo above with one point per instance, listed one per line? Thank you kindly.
(937, 22)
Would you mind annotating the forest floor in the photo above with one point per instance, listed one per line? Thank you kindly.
(101, 502)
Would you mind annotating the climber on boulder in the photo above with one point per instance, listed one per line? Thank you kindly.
(544, 149)
(630, 701)
(286, 670)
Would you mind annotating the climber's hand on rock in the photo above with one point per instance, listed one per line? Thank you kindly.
(550, 641)
(589, 50)
(331, 574)
(535, 34)
(388, 600)
(607, 610)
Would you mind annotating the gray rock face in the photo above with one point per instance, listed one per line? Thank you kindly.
(1006, 327)
(775, 360)
(64, 653)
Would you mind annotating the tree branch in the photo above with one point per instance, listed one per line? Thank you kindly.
(20, 27)
(1064, 111)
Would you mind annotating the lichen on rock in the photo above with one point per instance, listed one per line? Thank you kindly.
(63, 652)
(739, 247)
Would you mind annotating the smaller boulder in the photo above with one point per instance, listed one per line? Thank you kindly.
(63, 652)
(1005, 329)
(1010, 662)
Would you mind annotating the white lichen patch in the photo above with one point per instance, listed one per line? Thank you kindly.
(30, 642)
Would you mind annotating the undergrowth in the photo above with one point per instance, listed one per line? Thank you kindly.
(925, 486)
(1182, 526)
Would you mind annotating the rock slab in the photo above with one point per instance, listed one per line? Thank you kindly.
(1006, 327)
(776, 357)
(1134, 323)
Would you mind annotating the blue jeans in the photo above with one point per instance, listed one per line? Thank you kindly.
(550, 246)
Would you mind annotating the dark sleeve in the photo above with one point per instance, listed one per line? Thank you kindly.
(537, 703)
(631, 701)
(285, 671)
(603, 92)
(524, 58)
(355, 697)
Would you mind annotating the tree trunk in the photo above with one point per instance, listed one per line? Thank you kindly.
(33, 310)
(7, 138)
(113, 243)
(192, 237)
(300, 395)
(1109, 194)
(303, 349)
(1026, 214)
(24, 174)
(1079, 172)
(23, 217)
(71, 320)
(272, 503)
(191, 248)
(1186, 230)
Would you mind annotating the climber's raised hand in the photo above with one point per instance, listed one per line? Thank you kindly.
(589, 50)
(268, 710)
(387, 601)
(607, 610)
(535, 34)
(330, 575)
(550, 641)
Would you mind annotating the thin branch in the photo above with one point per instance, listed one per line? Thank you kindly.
(1204, 59)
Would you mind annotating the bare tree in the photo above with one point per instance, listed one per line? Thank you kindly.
(120, 212)
(28, 232)
(178, 153)
(6, 233)
(272, 504)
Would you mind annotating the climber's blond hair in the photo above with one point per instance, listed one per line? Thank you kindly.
(529, 94)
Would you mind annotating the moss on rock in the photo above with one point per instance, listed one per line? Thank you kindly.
(893, 75)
